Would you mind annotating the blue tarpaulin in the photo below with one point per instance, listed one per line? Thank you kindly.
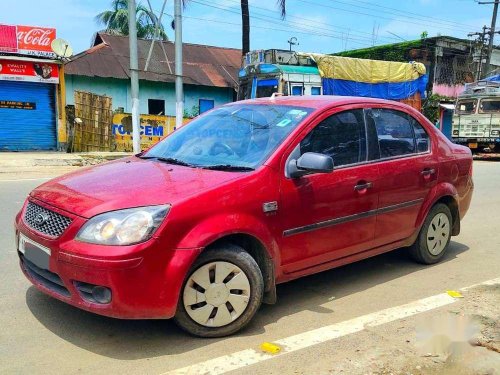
(384, 90)
(495, 78)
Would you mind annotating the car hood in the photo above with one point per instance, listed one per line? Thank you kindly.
(129, 182)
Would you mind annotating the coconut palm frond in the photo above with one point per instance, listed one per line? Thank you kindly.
(282, 7)
(116, 20)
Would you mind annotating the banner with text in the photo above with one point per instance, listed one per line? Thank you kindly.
(152, 129)
(27, 40)
(28, 71)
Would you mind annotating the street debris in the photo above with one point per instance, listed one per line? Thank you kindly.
(270, 348)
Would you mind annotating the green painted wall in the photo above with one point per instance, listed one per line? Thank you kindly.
(119, 90)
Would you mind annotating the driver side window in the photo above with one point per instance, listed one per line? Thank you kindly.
(341, 136)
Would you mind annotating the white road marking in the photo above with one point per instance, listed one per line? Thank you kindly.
(303, 340)
(27, 179)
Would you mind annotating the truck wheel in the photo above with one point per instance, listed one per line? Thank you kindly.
(221, 294)
(434, 237)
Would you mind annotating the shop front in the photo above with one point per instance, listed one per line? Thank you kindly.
(29, 78)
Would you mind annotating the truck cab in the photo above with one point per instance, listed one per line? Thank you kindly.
(278, 71)
(476, 119)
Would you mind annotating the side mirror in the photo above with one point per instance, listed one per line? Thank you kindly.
(310, 162)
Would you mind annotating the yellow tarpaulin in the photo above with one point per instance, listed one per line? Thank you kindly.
(364, 70)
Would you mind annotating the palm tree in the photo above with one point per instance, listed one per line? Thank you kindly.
(245, 22)
(116, 20)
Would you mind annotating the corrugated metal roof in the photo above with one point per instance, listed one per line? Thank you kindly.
(203, 65)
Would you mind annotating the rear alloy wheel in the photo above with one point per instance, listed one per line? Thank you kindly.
(221, 294)
(434, 236)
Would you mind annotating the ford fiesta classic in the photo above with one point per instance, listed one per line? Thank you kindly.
(202, 226)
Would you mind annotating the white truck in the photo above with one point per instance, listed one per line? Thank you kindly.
(476, 119)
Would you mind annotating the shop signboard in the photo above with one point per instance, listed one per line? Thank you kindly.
(16, 104)
(27, 40)
(153, 128)
(29, 71)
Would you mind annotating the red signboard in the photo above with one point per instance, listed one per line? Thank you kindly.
(27, 40)
(11, 70)
(35, 40)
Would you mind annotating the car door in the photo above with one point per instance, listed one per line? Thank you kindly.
(408, 170)
(327, 216)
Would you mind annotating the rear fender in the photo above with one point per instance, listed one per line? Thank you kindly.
(443, 189)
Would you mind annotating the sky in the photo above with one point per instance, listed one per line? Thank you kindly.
(323, 26)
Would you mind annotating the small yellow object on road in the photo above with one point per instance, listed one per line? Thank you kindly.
(454, 294)
(270, 348)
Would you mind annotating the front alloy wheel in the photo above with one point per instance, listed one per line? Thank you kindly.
(216, 294)
(221, 294)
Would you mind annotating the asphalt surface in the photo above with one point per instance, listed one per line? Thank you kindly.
(41, 335)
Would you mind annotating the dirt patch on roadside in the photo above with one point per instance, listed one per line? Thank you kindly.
(459, 339)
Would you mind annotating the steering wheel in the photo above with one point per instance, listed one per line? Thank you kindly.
(225, 149)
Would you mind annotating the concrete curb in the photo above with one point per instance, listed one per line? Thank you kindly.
(23, 161)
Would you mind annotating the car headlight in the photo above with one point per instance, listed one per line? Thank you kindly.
(123, 227)
(494, 132)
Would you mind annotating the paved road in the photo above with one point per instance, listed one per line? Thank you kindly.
(42, 335)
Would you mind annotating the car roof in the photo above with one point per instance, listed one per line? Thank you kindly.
(319, 101)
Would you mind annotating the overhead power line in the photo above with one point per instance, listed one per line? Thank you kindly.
(294, 26)
(422, 23)
(315, 23)
(312, 29)
(404, 13)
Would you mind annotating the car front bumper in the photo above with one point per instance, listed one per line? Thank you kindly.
(144, 279)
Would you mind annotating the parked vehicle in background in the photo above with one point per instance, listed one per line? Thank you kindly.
(476, 119)
(203, 225)
(266, 72)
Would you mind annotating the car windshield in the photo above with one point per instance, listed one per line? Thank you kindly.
(230, 137)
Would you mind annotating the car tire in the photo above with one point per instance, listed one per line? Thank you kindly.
(434, 237)
(221, 294)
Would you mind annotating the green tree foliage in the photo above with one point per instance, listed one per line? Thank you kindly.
(116, 20)
(430, 107)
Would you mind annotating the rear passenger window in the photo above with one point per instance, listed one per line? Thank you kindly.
(421, 137)
(341, 136)
(394, 132)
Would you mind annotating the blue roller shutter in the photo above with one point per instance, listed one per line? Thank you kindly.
(28, 129)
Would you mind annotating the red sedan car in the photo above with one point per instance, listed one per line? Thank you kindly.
(202, 226)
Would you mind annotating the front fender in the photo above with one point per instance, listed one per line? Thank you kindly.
(222, 225)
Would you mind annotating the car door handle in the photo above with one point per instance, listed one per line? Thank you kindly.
(427, 172)
(362, 186)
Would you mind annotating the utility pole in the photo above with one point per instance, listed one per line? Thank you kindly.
(179, 95)
(134, 76)
(491, 34)
(293, 42)
(480, 42)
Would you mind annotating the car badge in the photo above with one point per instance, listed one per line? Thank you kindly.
(41, 219)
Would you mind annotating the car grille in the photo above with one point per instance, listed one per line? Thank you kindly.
(45, 221)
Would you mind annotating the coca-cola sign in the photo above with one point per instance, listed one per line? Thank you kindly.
(30, 40)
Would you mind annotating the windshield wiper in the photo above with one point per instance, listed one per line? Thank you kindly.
(175, 161)
(167, 160)
(228, 167)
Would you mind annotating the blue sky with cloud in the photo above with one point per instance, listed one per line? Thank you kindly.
(319, 25)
